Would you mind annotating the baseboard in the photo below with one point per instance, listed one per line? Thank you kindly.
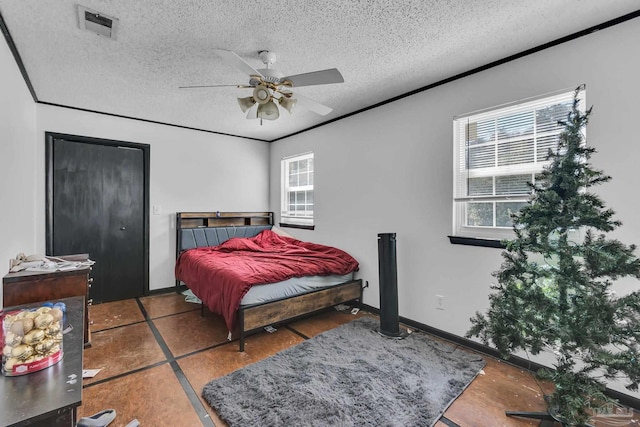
(520, 362)
(172, 289)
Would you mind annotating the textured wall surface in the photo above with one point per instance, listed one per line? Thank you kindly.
(17, 127)
(383, 48)
(390, 169)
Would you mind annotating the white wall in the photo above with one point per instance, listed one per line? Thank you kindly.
(390, 170)
(17, 176)
(189, 171)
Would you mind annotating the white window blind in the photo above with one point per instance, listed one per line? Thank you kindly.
(497, 152)
(297, 189)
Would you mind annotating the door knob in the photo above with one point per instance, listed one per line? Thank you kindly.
(122, 228)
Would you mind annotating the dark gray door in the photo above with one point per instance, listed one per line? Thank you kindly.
(97, 206)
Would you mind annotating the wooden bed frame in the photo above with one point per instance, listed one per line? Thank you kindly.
(253, 317)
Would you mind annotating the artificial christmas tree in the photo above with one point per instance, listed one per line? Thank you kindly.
(554, 289)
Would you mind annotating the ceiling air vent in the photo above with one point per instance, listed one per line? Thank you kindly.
(98, 23)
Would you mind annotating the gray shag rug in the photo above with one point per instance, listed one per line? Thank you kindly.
(348, 376)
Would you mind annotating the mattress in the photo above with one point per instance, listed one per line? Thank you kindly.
(222, 275)
(295, 286)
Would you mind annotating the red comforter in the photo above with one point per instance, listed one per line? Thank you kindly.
(221, 275)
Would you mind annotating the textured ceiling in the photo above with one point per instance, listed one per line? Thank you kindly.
(383, 48)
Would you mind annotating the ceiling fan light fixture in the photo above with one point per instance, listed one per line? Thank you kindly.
(261, 94)
(288, 103)
(246, 103)
(271, 88)
(268, 111)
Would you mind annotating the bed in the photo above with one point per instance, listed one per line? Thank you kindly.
(206, 248)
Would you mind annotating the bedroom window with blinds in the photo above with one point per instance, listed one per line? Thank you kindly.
(297, 190)
(497, 152)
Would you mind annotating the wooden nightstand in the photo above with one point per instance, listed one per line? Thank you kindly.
(26, 287)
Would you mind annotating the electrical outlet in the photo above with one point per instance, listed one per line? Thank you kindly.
(440, 302)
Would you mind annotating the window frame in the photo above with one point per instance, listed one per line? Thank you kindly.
(287, 216)
(462, 173)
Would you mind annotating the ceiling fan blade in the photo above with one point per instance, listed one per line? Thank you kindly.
(252, 112)
(322, 77)
(197, 87)
(233, 59)
(311, 105)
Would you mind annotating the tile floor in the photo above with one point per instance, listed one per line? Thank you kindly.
(156, 354)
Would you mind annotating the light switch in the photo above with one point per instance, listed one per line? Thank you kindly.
(157, 209)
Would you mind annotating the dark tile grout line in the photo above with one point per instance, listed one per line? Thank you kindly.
(197, 405)
(192, 396)
(300, 334)
(168, 360)
(156, 333)
(111, 328)
(182, 379)
(154, 365)
(179, 312)
(448, 422)
(143, 320)
(124, 374)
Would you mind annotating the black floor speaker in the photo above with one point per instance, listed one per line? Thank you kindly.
(388, 275)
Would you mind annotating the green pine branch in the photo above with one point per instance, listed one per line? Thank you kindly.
(553, 289)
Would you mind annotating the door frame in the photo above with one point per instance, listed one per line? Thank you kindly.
(50, 137)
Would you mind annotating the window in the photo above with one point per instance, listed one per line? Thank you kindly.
(297, 190)
(497, 152)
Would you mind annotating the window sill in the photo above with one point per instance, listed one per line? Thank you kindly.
(473, 241)
(301, 226)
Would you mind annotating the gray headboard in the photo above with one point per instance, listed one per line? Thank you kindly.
(198, 229)
(212, 236)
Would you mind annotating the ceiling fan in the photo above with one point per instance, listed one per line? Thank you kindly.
(272, 88)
